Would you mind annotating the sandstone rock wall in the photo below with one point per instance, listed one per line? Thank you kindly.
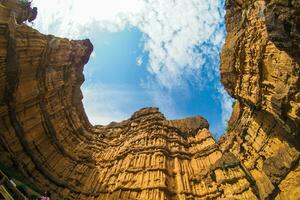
(45, 134)
(260, 68)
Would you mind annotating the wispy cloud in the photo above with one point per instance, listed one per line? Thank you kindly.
(172, 28)
(226, 103)
(105, 104)
(139, 60)
(183, 37)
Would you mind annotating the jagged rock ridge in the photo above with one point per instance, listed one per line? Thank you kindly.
(45, 134)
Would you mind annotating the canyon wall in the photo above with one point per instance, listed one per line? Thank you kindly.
(45, 133)
(260, 68)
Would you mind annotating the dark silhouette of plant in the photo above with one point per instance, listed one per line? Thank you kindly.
(227, 126)
(25, 2)
(233, 104)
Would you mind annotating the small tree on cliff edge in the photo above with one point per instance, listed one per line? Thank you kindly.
(25, 2)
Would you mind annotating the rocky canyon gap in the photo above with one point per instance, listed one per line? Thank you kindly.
(45, 134)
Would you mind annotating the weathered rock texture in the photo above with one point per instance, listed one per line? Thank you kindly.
(260, 68)
(45, 134)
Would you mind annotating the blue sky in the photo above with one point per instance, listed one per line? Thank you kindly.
(147, 53)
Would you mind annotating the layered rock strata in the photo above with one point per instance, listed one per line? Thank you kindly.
(260, 68)
(45, 134)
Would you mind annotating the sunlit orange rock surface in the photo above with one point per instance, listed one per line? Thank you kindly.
(45, 133)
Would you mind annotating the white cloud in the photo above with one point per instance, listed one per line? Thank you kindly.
(139, 60)
(172, 28)
(226, 103)
(105, 103)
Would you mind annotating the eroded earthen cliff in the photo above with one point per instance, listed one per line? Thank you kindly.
(45, 134)
(260, 68)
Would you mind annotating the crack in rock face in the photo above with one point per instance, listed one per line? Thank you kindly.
(49, 144)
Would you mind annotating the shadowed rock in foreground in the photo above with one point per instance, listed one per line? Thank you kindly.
(46, 136)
